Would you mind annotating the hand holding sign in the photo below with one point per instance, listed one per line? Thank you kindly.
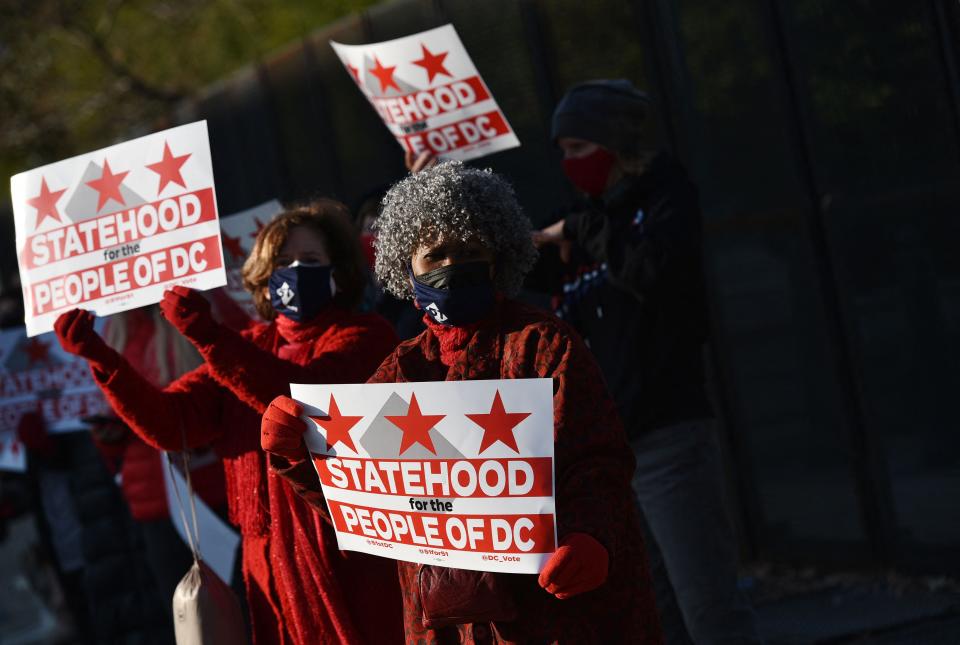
(77, 336)
(417, 162)
(281, 430)
(190, 313)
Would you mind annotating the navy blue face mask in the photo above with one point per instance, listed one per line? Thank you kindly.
(301, 291)
(457, 294)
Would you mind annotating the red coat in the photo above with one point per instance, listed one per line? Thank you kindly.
(300, 587)
(593, 467)
(141, 465)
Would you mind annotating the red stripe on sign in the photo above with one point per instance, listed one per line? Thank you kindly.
(479, 533)
(523, 477)
(421, 105)
(126, 274)
(461, 134)
(121, 227)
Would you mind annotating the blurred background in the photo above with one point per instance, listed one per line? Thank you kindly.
(824, 137)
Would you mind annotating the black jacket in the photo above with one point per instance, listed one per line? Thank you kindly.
(640, 302)
(125, 608)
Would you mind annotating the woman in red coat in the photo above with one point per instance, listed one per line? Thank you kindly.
(305, 276)
(455, 240)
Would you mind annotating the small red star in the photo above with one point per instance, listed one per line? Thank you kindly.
(354, 72)
(498, 425)
(337, 426)
(259, 225)
(384, 75)
(108, 185)
(15, 448)
(46, 203)
(415, 426)
(232, 244)
(433, 63)
(37, 350)
(169, 168)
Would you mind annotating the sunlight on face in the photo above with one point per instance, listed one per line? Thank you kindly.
(444, 253)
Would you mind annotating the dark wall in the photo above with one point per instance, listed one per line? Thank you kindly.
(824, 137)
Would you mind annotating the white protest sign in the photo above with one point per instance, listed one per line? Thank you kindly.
(239, 231)
(111, 230)
(218, 541)
(36, 374)
(13, 455)
(429, 94)
(456, 473)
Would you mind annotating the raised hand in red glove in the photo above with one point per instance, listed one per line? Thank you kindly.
(579, 565)
(281, 430)
(76, 334)
(189, 312)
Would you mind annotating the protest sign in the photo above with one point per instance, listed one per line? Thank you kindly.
(239, 231)
(111, 230)
(457, 473)
(36, 374)
(429, 94)
(13, 455)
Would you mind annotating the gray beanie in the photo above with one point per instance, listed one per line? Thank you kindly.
(609, 112)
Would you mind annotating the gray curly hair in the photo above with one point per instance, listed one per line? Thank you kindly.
(448, 202)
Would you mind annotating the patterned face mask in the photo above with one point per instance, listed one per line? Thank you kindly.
(456, 294)
(301, 291)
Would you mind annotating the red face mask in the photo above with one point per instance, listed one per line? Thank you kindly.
(590, 172)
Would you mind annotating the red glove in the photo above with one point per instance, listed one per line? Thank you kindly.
(32, 433)
(579, 565)
(281, 430)
(189, 312)
(77, 336)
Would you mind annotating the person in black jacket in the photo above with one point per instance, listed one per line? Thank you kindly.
(639, 301)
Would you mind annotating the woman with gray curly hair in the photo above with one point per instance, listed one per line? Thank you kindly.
(455, 240)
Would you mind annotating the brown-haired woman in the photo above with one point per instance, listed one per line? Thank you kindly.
(305, 274)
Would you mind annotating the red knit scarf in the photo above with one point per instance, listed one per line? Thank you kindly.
(453, 340)
(293, 331)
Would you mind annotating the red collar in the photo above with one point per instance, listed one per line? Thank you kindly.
(453, 340)
(299, 332)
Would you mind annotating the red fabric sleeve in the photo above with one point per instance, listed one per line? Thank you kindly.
(256, 376)
(593, 461)
(303, 479)
(194, 400)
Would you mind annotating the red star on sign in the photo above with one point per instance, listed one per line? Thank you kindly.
(354, 72)
(337, 426)
(415, 426)
(498, 425)
(259, 225)
(169, 168)
(37, 350)
(46, 203)
(232, 244)
(384, 75)
(15, 448)
(433, 63)
(108, 185)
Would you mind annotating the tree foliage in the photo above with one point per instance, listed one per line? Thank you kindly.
(76, 75)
